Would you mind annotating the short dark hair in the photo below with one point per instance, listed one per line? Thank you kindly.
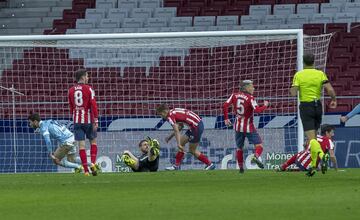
(34, 117)
(326, 128)
(309, 59)
(80, 73)
(141, 142)
(161, 108)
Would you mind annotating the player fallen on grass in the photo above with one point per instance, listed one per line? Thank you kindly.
(303, 159)
(244, 106)
(53, 129)
(179, 117)
(351, 114)
(148, 161)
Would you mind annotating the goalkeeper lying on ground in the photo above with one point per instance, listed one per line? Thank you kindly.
(148, 161)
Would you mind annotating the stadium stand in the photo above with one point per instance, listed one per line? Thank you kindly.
(127, 16)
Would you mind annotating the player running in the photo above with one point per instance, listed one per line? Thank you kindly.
(303, 158)
(244, 106)
(178, 117)
(148, 161)
(85, 115)
(53, 129)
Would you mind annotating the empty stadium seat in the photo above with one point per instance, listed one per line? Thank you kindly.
(132, 23)
(204, 21)
(321, 18)
(251, 19)
(195, 28)
(141, 13)
(127, 4)
(274, 19)
(156, 22)
(331, 8)
(313, 29)
(86, 23)
(150, 3)
(181, 22)
(298, 19)
(353, 7)
(345, 18)
(307, 8)
(96, 14)
(107, 4)
(165, 12)
(260, 10)
(118, 13)
(109, 23)
(286, 9)
(227, 20)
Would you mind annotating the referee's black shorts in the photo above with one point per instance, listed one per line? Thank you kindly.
(311, 114)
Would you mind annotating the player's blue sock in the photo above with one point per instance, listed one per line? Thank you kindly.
(78, 161)
(65, 163)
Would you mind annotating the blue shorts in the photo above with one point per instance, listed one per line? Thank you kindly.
(253, 138)
(195, 134)
(82, 130)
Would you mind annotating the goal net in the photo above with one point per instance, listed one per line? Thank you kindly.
(133, 73)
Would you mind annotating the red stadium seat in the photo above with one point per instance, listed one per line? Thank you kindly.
(336, 27)
(313, 29)
(185, 11)
(196, 3)
(265, 2)
(173, 3)
(219, 3)
(237, 10)
(211, 11)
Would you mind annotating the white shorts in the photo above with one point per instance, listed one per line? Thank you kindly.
(69, 144)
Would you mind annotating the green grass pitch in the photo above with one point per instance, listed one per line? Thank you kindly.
(182, 195)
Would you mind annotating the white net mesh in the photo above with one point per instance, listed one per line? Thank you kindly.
(132, 76)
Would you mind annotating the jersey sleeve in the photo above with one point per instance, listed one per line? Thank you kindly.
(46, 134)
(94, 109)
(226, 106)
(256, 107)
(324, 78)
(171, 120)
(296, 81)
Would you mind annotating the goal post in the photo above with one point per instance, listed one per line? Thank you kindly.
(133, 73)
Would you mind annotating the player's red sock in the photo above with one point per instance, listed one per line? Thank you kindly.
(258, 150)
(288, 162)
(93, 153)
(204, 159)
(83, 158)
(240, 157)
(178, 158)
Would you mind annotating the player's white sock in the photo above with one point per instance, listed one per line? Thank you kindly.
(65, 163)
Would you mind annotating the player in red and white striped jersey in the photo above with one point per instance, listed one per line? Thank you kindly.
(303, 158)
(244, 106)
(178, 117)
(85, 115)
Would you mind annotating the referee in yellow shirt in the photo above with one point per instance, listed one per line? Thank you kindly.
(309, 82)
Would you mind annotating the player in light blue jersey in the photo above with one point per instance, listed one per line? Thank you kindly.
(351, 114)
(51, 129)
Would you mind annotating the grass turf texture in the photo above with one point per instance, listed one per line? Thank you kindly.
(182, 195)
